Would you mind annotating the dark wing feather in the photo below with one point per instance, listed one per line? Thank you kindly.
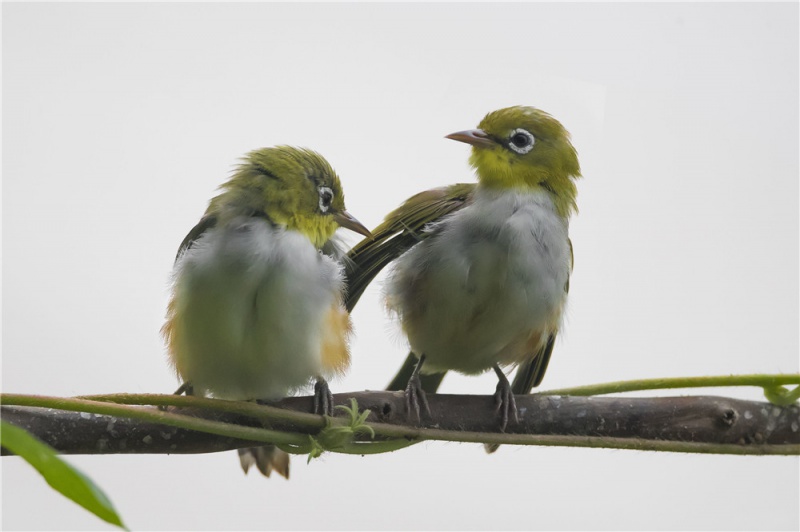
(401, 229)
(530, 374)
(205, 223)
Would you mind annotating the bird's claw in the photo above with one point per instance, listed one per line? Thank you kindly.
(504, 401)
(323, 398)
(415, 396)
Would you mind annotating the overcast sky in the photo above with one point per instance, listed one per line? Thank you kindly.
(120, 120)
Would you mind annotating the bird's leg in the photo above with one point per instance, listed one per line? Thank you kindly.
(415, 394)
(185, 388)
(504, 399)
(323, 398)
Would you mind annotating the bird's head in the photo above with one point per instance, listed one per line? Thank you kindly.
(294, 187)
(524, 148)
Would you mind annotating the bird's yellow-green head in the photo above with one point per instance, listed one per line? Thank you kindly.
(293, 187)
(525, 148)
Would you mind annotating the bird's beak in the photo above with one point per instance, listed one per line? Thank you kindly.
(346, 220)
(476, 137)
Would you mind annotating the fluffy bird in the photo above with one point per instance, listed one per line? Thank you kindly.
(257, 300)
(481, 272)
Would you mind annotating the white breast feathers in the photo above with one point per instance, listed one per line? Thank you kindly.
(250, 310)
(488, 286)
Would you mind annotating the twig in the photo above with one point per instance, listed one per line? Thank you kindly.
(680, 424)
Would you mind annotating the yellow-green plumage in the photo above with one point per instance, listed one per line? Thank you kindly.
(526, 167)
(257, 309)
(283, 183)
(400, 230)
(552, 164)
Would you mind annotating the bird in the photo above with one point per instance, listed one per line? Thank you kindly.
(479, 272)
(256, 308)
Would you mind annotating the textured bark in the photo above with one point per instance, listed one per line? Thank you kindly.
(699, 419)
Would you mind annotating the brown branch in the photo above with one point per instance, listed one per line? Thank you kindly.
(756, 426)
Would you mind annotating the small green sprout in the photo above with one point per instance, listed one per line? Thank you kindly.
(335, 437)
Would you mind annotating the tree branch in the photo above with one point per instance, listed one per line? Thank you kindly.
(684, 424)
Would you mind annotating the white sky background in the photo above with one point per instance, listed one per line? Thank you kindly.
(119, 121)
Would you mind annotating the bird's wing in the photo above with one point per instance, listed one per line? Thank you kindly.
(401, 229)
(530, 374)
(205, 223)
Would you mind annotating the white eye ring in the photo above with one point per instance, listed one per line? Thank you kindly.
(325, 198)
(524, 141)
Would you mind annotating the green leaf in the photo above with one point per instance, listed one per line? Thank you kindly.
(61, 476)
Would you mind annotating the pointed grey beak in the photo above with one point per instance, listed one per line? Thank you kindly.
(476, 137)
(346, 220)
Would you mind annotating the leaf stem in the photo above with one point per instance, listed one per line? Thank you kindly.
(760, 380)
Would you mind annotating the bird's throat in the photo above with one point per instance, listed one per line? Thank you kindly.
(318, 229)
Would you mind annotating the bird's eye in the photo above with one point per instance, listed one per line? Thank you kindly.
(325, 198)
(521, 141)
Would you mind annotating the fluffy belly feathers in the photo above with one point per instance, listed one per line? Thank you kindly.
(256, 312)
(488, 286)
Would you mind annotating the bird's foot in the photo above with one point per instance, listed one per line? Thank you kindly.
(504, 401)
(323, 398)
(415, 394)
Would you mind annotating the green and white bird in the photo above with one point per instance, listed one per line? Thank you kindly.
(257, 306)
(481, 272)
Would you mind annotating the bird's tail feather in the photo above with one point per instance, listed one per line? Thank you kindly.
(267, 459)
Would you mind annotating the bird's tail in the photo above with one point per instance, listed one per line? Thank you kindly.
(267, 459)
